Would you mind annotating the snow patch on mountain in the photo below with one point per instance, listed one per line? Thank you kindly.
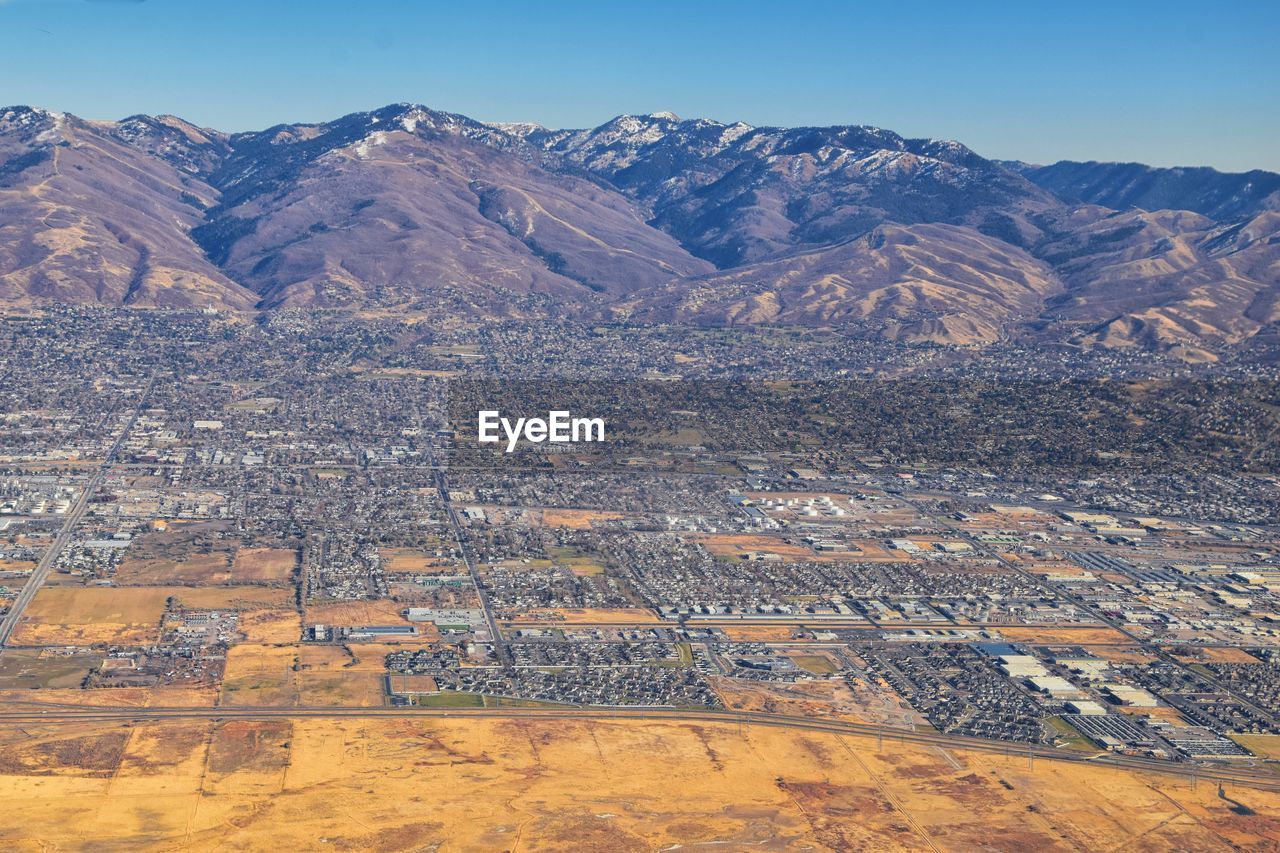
(363, 147)
(516, 128)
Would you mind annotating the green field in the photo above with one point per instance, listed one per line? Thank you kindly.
(450, 699)
(817, 664)
(1074, 738)
(457, 699)
(575, 561)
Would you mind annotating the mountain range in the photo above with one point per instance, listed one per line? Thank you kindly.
(644, 219)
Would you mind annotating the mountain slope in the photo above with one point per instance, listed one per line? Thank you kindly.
(646, 218)
(87, 216)
(1219, 195)
(939, 283)
(404, 200)
(737, 194)
(1166, 280)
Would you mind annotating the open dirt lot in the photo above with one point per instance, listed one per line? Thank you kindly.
(833, 700)
(742, 545)
(452, 784)
(759, 633)
(264, 565)
(1123, 654)
(576, 519)
(1218, 654)
(1086, 635)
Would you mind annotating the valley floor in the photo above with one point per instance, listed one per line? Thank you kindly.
(414, 784)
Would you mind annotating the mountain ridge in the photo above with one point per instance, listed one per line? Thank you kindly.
(1121, 185)
(647, 218)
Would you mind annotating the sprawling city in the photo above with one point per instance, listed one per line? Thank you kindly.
(639, 428)
(215, 521)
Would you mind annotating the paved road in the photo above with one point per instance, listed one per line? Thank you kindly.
(58, 714)
(42, 569)
(499, 645)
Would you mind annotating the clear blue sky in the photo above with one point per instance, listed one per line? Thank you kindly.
(1168, 83)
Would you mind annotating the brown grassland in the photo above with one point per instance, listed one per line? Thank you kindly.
(125, 615)
(214, 568)
(167, 696)
(831, 700)
(304, 675)
(246, 566)
(271, 625)
(411, 561)
(1216, 654)
(817, 663)
(453, 784)
(264, 565)
(576, 519)
(260, 676)
(41, 668)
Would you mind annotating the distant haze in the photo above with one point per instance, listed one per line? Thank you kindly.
(1168, 83)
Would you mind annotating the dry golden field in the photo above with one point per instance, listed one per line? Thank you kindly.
(166, 696)
(125, 615)
(831, 700)
(212, 568)
(259, 565)
(243, 566)
(1267, 746)
(451, 784)
(411, 561)
(758, 633)
(271, 625)
(1216, 654)
(576, 519)
(304, 675)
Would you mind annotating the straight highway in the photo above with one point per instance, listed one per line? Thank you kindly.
(63, 714)
(41, 572)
